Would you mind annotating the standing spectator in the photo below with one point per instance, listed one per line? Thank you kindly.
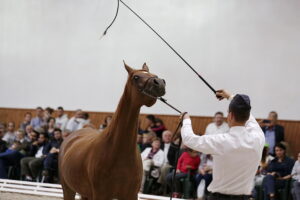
(32, 165)
(150, 123)
(51, 127)
(26, 121)
(188, 162)
(106, 122)
(279, 171)
(218, 125)
(3, 144)
(74, 122)
(38, 121)
(152, 157)
(62, 119)
(51, 161)
(10, 135)
(167, 138)
(296, 177)
(274, 133)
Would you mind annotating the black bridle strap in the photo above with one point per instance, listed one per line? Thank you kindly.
(137, 15)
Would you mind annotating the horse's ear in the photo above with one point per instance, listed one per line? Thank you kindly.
(145, 67)
(129, 69)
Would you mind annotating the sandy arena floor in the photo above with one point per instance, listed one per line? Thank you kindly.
(16, 196)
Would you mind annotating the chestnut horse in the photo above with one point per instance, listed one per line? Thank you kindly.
(107, 165)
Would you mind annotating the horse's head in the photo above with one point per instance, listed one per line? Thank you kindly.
(145, 87)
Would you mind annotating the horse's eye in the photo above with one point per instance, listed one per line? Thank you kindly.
(136, 77)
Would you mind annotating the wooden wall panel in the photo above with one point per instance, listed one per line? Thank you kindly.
(292, 128)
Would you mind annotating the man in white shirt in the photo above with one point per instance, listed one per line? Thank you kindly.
(236, 154)
(218, 125)
(61, 119)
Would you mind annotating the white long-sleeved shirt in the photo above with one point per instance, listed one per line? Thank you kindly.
(212, 128)
(236, 155)
(61, 122)
(158, 158)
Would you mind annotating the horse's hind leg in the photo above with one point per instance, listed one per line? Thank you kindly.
(68, 193)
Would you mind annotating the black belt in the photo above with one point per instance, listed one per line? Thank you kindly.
(229, 196)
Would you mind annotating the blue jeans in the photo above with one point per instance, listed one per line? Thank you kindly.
(7, 159)
(270, 185)
(206, 177)
(296, 190)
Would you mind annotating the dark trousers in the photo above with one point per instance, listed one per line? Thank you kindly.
(51, 162)
(270, 185)
(177, 184)
(227, 197)
(7, 159)
(31, 166)
(206, 177)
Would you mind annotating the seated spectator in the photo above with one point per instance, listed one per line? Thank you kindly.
(172, 153)
(38, 121)
(74, 122)
(188, 162)
(28, 131)
(48, 113)
(50, 127)
(263, 166)
(32, 165)
(139, 141)
(166, 138)
(10, 135)
(159, 127)
(147, 140)
(296, 177)
(278, 172)
(24, 142)
(11, 157)
(32, 137)
(274, 133)
(61, 119)
(152, 156)
(205, 171)
(150, 123)
(106, 122)
(84, 120)
(218, 126)
(51, 161)
(3, 144)
(26, 121)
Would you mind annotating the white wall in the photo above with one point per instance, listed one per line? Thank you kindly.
(50, 53)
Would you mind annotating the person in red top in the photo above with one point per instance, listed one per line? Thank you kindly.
(189, 161)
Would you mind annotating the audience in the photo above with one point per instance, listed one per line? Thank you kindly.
(61, 119)
(296, 177)
(278, 172)
(10, 135)
(26, 121)
(274, 133)
(35, 146)
(38, 121)
(218, 125)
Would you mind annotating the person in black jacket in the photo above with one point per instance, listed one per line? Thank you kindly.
(3, 145)
(274, 133)
(32, 165)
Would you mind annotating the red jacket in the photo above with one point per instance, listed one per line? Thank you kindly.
(185, 160)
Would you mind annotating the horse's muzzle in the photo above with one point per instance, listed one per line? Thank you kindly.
(156, 87)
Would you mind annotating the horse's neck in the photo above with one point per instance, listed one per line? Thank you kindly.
(123, 128)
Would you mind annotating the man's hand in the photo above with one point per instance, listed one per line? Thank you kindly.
(184, 116)
(221, 94)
